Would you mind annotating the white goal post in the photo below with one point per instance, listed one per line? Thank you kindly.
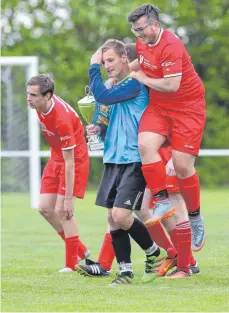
(34, 154)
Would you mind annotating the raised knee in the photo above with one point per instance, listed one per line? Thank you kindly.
(143, 146)
(182, 170)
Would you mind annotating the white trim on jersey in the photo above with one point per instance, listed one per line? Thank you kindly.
(52, 106)
(173, 75)
(158, 39)
(68, 148)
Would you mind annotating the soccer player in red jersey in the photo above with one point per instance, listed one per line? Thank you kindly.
(176, 110)
(65, 175)
(175, 225)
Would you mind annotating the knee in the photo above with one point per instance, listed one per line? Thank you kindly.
(184, 165)
(182, 169)
(44, 211)
(144, 147)
(121, 217)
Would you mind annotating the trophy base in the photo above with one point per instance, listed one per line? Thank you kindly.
(95, 146)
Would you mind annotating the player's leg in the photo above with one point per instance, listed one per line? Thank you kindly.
(105, 259)
(105, 198)
(186, 140)
(156, 231)
(183, 236)
(106, 254)
(71, 236)
(48, 196)
(47, 210)
(153, 130)
(74, 247)
(122, 248)
(129, 197)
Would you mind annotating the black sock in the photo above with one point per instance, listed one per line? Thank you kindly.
(121, 245)
(195, 213)
(140, 234)
(161, 194)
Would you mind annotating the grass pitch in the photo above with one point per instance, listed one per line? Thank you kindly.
(32, 254)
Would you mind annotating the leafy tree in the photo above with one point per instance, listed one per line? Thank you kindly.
(64, 34)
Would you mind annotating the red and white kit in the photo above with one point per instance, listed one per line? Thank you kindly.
(63, 130)
(180, 115)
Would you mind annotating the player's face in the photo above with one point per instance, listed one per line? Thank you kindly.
(145, 30)
(35, 99)
(113, 64)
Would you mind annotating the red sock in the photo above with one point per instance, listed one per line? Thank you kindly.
(155, 176)
(183, 246)
(106, 255)
(81, 250)
(158, 235)
(173, 237)
(61, 234)
(190, 190)
(71, 251)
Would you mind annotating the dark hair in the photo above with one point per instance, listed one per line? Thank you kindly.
(117, 45)
(149, 10)
(131, 51)
(45, 82)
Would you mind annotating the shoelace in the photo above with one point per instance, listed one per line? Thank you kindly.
(119, 279)
(151, 266)
(197, 229)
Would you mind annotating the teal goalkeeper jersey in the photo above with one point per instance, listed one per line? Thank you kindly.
(121, 140)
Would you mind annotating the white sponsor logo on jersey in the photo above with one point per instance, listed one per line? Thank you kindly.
(45, 130)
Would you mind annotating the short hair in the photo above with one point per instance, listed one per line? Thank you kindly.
(117, 45)
(131, 51)
(45, 82)
(149, 10)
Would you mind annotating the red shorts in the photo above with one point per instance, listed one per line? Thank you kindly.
(53, 178)
(184, 126)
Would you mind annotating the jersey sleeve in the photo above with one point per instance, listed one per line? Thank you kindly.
(66, 134)
(171, 60)
(127, 89)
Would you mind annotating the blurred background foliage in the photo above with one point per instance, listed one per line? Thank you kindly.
(64, 34)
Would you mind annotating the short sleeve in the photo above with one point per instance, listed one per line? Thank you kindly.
(171, 60)
(67, 137)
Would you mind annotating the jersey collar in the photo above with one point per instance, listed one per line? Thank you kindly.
(52, 106)
(158, 39)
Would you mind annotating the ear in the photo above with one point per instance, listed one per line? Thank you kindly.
(47, 96)
(124, 58)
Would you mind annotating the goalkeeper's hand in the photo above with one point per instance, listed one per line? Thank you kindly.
(92, 130)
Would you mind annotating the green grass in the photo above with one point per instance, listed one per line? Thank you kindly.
(32, 254)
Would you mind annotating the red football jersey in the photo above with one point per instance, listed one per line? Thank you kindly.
(62, 129)
(167, 57)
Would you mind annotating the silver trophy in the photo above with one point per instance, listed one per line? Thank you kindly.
(87, 107)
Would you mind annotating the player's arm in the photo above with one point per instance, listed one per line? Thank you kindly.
(128, 89)
(65, 131)
(171, 63)
(171, 84)
(134, 66)
(68, 156)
